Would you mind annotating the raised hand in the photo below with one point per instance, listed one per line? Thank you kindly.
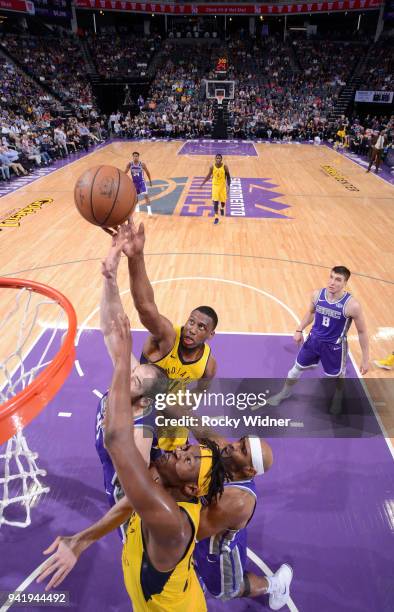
(120, 336)
(134, 239)
(109, 266)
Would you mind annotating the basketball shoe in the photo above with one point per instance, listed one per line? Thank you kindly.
(386, 364)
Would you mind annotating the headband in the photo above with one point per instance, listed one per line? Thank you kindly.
(204, 477)
(256, 455)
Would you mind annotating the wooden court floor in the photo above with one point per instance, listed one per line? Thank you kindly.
(257, 272)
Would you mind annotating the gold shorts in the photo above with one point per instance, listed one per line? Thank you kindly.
(219, 194)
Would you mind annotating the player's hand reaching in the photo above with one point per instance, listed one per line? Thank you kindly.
(66, 552)
(134, 239)
(109, 266)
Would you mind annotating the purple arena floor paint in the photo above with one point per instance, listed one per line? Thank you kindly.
(224, 147)
(325, 507)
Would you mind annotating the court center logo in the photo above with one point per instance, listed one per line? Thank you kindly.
(165, 195)
(247, 197)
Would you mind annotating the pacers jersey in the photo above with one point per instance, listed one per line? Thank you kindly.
(331, 323)
(181, 374)
(177, 590)
(179, 371)
(218, 176)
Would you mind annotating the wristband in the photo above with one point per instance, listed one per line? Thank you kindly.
(299, 331)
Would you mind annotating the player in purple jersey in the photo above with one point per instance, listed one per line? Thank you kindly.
(332, 311)
(146, 380)
(137, 170)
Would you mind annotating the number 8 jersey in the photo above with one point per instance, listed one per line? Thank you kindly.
(331, 323)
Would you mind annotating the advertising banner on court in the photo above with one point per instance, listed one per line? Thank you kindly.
(228, 9)
(19, 6)
(374, 97)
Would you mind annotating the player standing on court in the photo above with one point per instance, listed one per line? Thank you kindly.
(220, 174)
(332, 310)
(137, 169)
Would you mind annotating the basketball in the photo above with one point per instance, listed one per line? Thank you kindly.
(105, 196)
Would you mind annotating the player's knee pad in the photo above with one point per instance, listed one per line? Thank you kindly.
(295, 372)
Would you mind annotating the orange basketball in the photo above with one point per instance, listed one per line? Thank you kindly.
(105, 196)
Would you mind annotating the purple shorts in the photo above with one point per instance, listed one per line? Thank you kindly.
(332, 356)
(222, 574)
(140, 186)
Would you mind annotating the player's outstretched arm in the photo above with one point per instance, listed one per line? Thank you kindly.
(66, 550)
(354, 310)
(141, 290)
(111, 306)
(209, 175)
(168, 527)
(127, 168)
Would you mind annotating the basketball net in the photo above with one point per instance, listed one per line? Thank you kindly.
(220, 100)
(21, 483)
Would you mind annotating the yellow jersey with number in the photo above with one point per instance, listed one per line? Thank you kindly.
(182, 373)
(177, 590)
(219, 191)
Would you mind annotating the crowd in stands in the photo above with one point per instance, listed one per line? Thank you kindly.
(361, 130)
(281, 91)
(56, 62)
(26, 144)
(379, 70)
(20, 94)
(284, 91)
(115, 55)
(34, 131)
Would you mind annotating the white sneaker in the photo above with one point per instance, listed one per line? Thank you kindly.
(284, 576)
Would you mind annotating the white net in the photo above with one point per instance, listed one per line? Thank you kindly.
(30, 338)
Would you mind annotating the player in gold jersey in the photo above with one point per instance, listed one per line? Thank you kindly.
(157, 555)
(220, 174)
(182, 351)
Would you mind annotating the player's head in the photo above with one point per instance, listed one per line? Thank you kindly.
(218, 159)
(199, 327)
(136, 156)
(146, 381)
(339, 276)
(247, 457)
(193, 470)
